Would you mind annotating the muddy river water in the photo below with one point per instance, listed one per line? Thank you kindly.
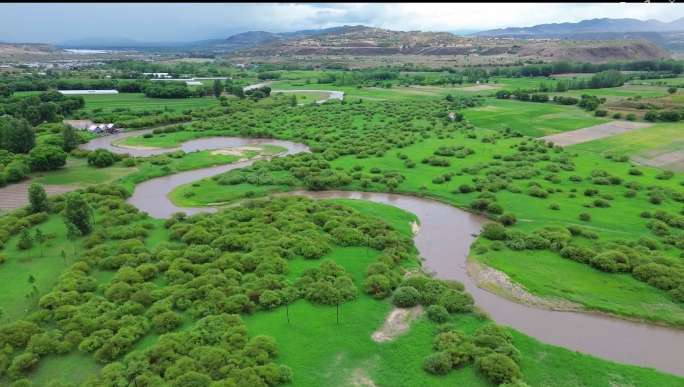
(443, 241)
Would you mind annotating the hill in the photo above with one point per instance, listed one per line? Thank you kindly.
(666, 35)
(368, 41)
(26, 48)
(585, 26)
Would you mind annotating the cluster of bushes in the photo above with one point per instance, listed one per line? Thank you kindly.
(44, 107)
(641, 257)
(490, 348)
(216, 266)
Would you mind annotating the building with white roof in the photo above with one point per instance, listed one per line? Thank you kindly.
(77, 92)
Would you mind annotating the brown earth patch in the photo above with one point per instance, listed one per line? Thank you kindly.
(396, 323)
(360, 379)
(16, 195)
(478, 88)
(594, 132)
(672, 160)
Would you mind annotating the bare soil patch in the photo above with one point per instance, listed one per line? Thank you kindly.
(16, 195)
(79, 124)
(396, 323)
(360, 379)
(672, 160)
(478, 88)
(498, 283)
(594, 132)
(236, 150)
(414, 227)
(120, 144)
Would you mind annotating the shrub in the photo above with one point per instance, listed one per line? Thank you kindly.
(437, 363)
(495, 208)
(465, 188)
(554, 206)
(438, 180)
(406, 296)
(437, 313)
(493, 231)
(129, 162)
(507, 219)
(584, 217)
(611, 261)
(101, 158)
(166, 322)
(631, 117)
(378, 286)
(498, 368)
(46, 158)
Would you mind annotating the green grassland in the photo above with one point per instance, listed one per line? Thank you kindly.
(647, 142)
(539, 271)
(319, 350)
(138, 101)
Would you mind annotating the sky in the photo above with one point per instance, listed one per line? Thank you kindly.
(181, 22)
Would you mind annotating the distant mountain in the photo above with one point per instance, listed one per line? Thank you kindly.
(368, 41)
(665, 35)
(586, 26)
(463, 32)
(251, 38)
(312, 32)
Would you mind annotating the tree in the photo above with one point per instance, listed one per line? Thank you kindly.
(72, 233)
(63, 254)
(672, 90)
(38, 198)
(78, 213)
(25, 241)
(101, 158)
(218, 88)
(40, 238)
(70, 138)
(31, 278)
(46, 158)
(20, 137)
(293, 100)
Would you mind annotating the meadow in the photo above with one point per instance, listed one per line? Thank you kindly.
(489, 163)
(138, 102)
(318, 349)
(617, 218)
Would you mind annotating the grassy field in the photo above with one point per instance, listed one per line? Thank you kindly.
(138, 101)
(307, 97)
(614, 293)
(648, 142)
(320, 351)
(531, 119)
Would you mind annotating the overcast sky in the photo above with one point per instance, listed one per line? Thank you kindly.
(52, 23)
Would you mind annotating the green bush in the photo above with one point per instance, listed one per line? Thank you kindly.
(493, 231)
(437, 313)
(101, 158)
(507, 219)
(406, 296)
(611, 261)
(498, 368)
(378, 286)
(437, 363)
(584, 217)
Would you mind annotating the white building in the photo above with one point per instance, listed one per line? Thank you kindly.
(193, 83)
(81, 92)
